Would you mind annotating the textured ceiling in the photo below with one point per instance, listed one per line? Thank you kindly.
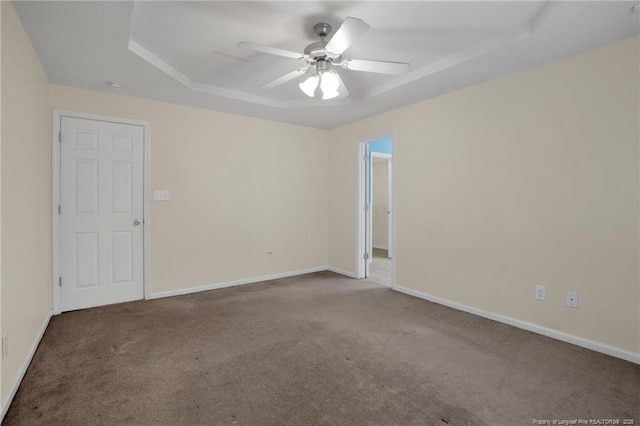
(185, 52)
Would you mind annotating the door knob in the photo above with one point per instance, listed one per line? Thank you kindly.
(136, 222)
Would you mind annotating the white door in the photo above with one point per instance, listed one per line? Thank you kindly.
(101, 201)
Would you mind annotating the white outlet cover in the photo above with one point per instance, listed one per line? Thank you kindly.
(572, 299)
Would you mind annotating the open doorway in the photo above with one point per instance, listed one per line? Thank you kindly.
(380, 261)
(375, 236)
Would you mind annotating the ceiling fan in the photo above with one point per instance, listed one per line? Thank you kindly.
(321, 56)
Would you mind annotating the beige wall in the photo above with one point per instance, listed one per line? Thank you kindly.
(26, 196)
(240, 187)
(380, 201)
(528, 179)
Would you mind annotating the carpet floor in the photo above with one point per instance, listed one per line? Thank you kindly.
(308, 350)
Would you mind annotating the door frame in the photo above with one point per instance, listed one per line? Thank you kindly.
(55, 196)
(361, 179)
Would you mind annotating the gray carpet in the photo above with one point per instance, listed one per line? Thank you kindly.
(314, 349)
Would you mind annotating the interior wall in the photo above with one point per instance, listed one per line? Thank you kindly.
(239, 187)
(26, 197)
(528, 179)
(380, 202)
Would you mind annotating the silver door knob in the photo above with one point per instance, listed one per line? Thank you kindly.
(136, 222)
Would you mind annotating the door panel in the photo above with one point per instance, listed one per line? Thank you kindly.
(85, 257)
(85, 183)
(101, 195)
(122, 187)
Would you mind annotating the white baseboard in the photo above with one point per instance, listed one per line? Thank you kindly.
(555, 334)
(234, 283)
(342, 272)
(23, 370)
(380, 246)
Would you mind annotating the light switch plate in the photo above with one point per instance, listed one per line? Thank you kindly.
(541, 292)
(161, 195)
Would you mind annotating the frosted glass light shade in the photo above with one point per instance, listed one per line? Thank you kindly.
(309, 86)
(329, 83)
(329, 94)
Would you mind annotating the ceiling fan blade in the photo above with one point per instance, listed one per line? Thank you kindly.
(349, 31)
(380, 67)
(270, 50)
(287, 77)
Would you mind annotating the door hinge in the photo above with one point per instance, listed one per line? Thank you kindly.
(366, 256)
(366, 207)
(59, 281)
(59, 209)
(366, 157)
(59, 136)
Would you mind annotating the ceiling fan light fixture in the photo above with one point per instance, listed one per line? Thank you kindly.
(321, 55)
(309, 86)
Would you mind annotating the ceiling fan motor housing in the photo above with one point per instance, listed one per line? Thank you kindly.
(316, 50)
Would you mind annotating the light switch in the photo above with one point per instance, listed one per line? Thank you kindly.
(161, 195)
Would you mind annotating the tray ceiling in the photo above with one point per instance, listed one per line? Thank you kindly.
(186, 53)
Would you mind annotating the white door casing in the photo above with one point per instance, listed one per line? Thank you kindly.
(101, 196)
(363, 234)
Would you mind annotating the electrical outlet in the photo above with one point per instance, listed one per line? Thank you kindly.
(5, 346)
(541, 292)
(161, 195)
(572, 299)
(269, 255)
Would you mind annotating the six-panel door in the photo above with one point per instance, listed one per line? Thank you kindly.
(101, 194)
